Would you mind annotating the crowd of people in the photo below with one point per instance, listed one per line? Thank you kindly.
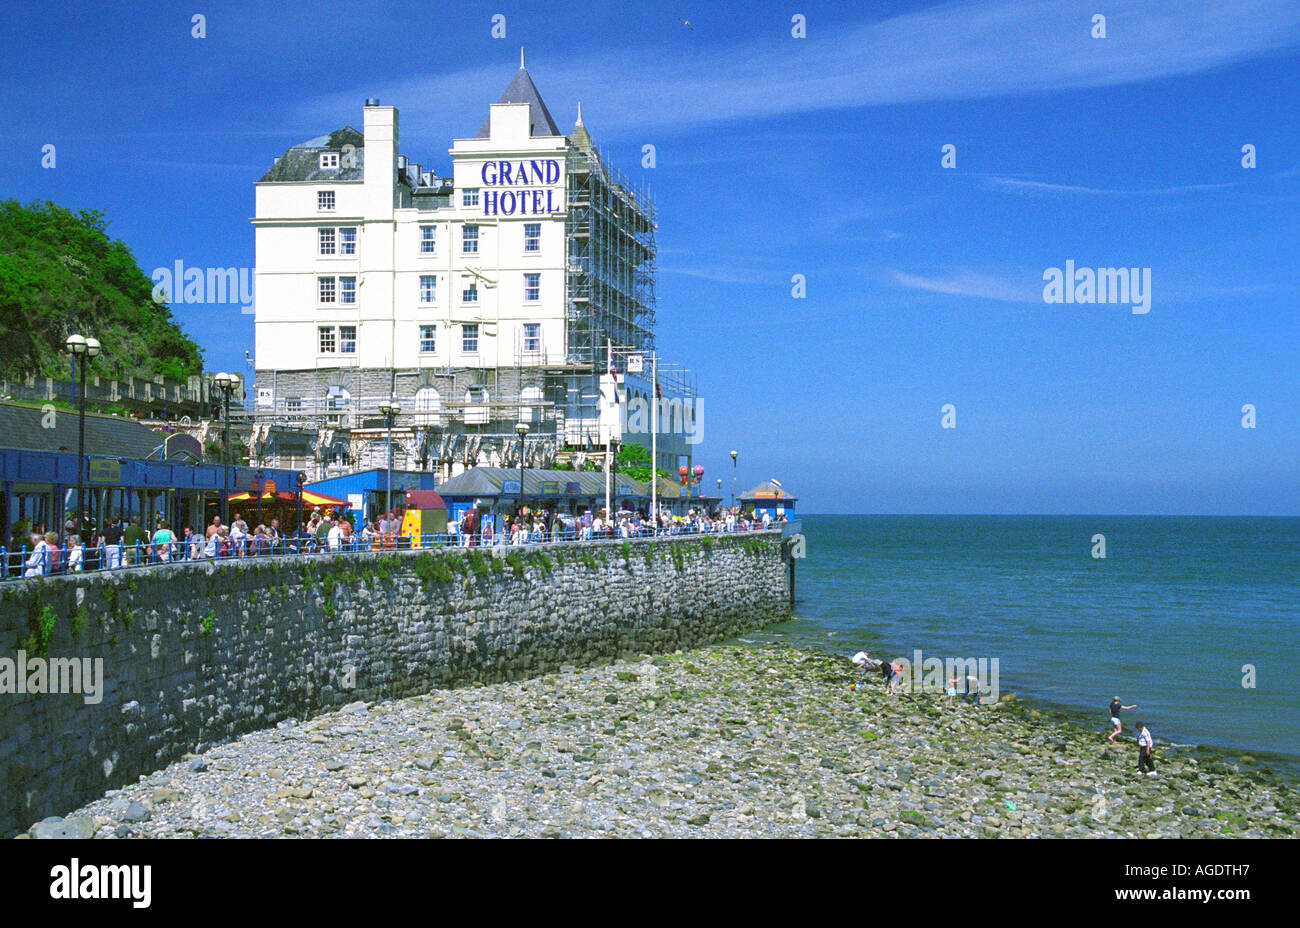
(527, 525)
(126, 542)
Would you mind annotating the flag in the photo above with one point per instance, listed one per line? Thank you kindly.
(658, 393)
(613, 373)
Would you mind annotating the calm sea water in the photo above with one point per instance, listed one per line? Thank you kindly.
(1166, 620)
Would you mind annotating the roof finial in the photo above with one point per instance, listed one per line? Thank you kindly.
(579, 122)
(521, 57)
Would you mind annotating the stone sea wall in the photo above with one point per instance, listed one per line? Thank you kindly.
(193, 655)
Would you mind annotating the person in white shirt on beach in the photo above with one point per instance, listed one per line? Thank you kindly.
(1145, 745)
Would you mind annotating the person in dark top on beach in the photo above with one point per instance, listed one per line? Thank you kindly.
(1115, 708)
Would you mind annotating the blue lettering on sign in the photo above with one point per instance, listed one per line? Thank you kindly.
(516, 174)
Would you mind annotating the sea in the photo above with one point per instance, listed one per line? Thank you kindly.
(1194, 619)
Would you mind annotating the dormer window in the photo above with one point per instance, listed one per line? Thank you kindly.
(329, 160)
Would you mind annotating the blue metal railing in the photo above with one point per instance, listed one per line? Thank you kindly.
(47, 560)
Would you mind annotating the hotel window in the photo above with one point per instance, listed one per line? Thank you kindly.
(293, 404)
(325, 200)
(532, 236)
(325, 286)
(469, 197)
(325, 238)
(470, 293)
(469, 240)
(428, 339)
(347, 289)
(532, 336)
(469, 338)
(348, 241)
(428, 288)
(325, 339)
(347, 339)
(532, 287)
(329, 160)
(428, 239)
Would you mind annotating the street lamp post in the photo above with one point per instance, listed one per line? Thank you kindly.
(521, 429)
(301, 477)
(389, 409)
(226, 383)
(733, 478)
(82, 349)
(261, 478)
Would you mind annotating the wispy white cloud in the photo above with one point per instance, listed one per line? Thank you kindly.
(719, 275)
(973, 284)
(954, 51)
(1035, 187)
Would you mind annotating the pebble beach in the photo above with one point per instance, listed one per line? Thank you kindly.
(722, 741)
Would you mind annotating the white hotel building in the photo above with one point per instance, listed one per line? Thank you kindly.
(479, 300)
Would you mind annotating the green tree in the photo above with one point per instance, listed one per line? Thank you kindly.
(60, 273)
(634, 460)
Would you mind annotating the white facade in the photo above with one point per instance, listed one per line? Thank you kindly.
(481, 300)
(478, 260)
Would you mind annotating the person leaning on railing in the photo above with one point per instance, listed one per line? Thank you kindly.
(111, 538)
(132, 538)
(37, 562)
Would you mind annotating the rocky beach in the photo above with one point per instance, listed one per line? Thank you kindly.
(721, 741)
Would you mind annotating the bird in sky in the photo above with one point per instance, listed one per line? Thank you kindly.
(686, 23)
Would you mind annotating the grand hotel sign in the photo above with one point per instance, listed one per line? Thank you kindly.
(521, 188)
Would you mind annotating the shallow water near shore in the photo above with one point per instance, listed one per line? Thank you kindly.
(1167, 620)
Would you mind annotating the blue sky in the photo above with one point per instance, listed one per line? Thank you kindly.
(818, 156)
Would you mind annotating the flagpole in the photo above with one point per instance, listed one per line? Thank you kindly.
(609, 432)
(654, 441)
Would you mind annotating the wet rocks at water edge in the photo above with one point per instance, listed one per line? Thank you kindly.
(722, 741)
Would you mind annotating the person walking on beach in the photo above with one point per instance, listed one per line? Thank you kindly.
(1115, 708)
(1145, 743)
(952, 691)
(972, 690)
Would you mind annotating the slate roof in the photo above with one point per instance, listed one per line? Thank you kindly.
(487, 481)
(302, 161)
(522, 90)
(21, 427)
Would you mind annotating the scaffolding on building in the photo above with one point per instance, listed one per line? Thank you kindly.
(610, 230)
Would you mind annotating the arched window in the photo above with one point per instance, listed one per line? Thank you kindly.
(428, 406)
(530, 399)
(337, 398)
(476, 408)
